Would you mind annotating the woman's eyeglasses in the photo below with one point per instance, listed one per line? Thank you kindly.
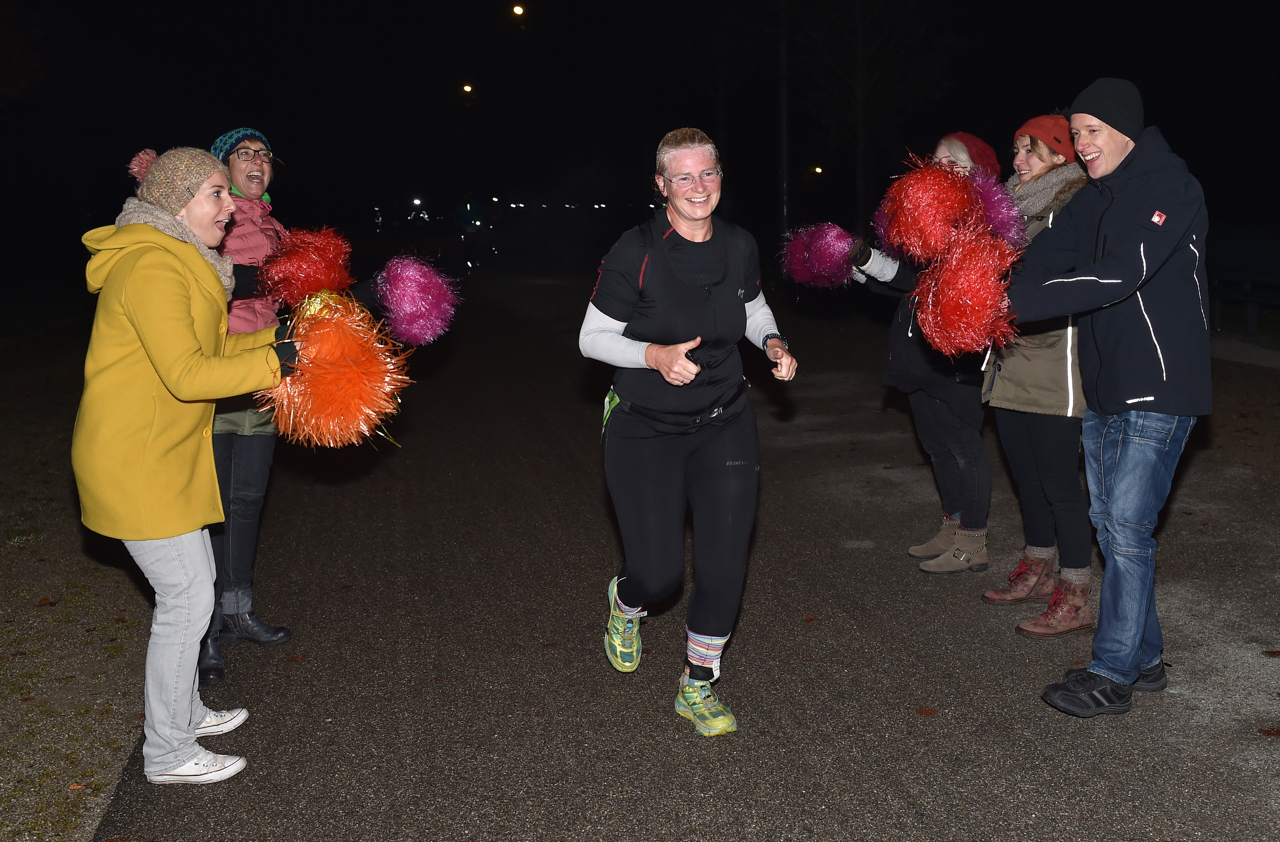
(244, 153)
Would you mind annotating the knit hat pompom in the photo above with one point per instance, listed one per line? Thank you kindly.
(141, 163)
(222, 147)
(172, 179)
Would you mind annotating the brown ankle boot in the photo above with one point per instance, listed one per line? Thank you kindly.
(969, 552)
(940, 543)
(1032, 580)
(1069, 612)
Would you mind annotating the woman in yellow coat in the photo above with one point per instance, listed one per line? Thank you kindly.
(159, 356)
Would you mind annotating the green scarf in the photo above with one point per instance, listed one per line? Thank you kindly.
(266, 197)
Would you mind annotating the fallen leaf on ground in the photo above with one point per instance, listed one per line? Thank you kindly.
(548, 645)
(1272, 653)
(927, 711)
(809, 618)
(44, 602)
(1269, 732)
(888, 467)
(296, 659)
(26, 698)
(76, 787)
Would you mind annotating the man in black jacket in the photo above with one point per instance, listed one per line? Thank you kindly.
(1127, 255)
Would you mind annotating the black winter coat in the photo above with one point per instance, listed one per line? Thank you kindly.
(1128, 255)
(914, 365)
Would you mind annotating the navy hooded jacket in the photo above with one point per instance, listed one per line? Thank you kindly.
(1128, 255)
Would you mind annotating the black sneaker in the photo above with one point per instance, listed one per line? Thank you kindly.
(1088, 695)
(1150, 680)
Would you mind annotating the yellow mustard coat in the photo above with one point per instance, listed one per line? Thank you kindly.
(159, 356)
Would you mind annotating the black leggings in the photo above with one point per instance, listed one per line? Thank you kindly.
(1044, 456)
(960, 464)
(654, 478)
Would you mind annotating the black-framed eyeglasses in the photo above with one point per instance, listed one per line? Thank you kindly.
(686, 180)
(246, 153)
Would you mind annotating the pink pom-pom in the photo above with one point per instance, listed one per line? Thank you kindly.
(307, 262)
(141, 163)
(829, 253)
(962, 305)
(793, 262)
(924, 207)
(999, 210)
(419, 300)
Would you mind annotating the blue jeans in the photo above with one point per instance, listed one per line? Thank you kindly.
(244, 468)
(181, 571)
(1129, 460)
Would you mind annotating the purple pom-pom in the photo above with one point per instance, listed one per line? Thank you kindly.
(829, 254)
(793, 262)
(880, 222)
(418, 299)
(998, 209)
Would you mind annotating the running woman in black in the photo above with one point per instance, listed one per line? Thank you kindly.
(673, 299)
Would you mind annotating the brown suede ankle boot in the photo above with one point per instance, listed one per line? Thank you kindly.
(1032, 580)
(940, 543)
(1069, 612)
(969, 552)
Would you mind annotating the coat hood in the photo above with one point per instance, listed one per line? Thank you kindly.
(109, 245)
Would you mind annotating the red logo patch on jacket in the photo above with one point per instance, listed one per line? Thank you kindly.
(1158, 218)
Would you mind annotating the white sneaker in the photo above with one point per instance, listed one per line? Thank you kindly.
(221, 721)
(205, 768)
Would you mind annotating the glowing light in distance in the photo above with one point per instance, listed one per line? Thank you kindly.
(466, 89)
(417, 201)
(519, 10)
(817, 169)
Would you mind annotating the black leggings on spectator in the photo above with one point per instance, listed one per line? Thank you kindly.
(654, 478)
(960, 464)
(1044, 456)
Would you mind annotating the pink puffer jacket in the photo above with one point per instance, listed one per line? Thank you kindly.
(252, 237)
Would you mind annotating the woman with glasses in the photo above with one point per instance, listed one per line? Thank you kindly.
(244, 438)
(673, 298)
(159, 354)
(945, 395)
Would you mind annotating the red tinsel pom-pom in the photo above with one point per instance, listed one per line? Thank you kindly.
(307, 262)
(346, 379)
(962, 305)
(923, 208)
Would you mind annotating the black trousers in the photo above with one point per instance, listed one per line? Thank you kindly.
(960, 464)
(654, 479)
(1044, 456)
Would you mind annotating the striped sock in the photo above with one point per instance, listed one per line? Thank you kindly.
(704, 650)
(625, 609)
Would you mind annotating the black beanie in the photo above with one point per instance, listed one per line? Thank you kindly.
(1115, 102)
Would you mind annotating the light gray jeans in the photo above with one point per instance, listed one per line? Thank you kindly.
(181, 571)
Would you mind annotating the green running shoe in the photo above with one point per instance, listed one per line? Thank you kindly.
(622, 638)
(697, 702)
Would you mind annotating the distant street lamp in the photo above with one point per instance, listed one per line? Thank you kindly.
(519, 10)
(817, 169)
(466, 89)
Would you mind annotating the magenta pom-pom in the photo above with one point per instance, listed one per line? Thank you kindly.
(793, 262)
(141, 163)
(419, 300)
(829, 253)
(880, 222)
(999, 210)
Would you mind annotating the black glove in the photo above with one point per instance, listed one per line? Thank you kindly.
(286, 351)
(247, 281)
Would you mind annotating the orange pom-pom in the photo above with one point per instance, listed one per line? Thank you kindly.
(348, 374)
(923, 208)
(962, 304)
(307, 262)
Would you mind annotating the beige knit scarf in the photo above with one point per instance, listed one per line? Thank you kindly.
(1037, 195)
(137, 211)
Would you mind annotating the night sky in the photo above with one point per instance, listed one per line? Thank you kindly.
(366, 107)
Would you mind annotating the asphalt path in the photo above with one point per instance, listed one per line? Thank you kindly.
(447, 680)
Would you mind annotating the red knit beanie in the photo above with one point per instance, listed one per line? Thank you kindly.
(982, 155)
(1053, 131)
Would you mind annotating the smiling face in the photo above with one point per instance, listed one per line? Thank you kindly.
(689, 208)
(251, 177)
(209, 213)
(1100, 147)
(1027, 162)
